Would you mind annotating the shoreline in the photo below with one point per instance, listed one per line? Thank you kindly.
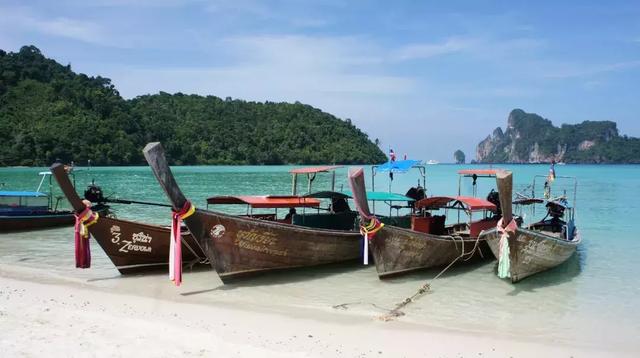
(41, 313)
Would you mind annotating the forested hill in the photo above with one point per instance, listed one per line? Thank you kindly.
(529, 138)
(48, 112)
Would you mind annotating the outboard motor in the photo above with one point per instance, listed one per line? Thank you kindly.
(94, 194)
(339, 205)
(494, 198)
(555, 210)
(416, 193)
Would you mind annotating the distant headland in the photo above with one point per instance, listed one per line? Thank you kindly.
(529, 138)
(49, 112)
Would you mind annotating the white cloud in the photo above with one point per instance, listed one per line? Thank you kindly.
(576, 70)
(69, 28)
(247, 7)
(135, 3)
(485, 48)
(24, 20)
(427, 50)
(276, 68)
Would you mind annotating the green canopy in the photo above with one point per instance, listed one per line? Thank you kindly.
(382, 196)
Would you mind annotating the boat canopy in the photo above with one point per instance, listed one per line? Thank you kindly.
(382, 196)
(479, 172)
(266, 201)
(398, 166)
(31, 194)
(327, 195)
(465, 202)
(312, 170)
(528, 201)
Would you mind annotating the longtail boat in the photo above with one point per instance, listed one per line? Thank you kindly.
(31, 210)
(240, 246)
(542, 245)
(429, 242)
(133, 247)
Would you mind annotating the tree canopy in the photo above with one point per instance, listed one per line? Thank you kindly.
(48, 112)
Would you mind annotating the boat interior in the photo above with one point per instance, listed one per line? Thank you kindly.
(553, 223)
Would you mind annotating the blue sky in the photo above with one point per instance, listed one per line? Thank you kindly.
(425, 77)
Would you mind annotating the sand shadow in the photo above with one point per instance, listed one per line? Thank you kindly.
(284, 276)
(157, 271)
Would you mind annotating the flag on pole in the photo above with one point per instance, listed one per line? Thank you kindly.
(552, 173)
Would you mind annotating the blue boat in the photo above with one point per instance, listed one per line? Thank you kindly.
(29, 210)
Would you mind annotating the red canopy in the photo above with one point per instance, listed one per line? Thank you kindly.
(266, 201)
(470, 203)
(311, 170)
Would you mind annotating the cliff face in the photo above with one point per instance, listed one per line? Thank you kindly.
(529, 138)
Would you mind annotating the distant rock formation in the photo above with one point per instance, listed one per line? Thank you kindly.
(529, 138)
(459, 157)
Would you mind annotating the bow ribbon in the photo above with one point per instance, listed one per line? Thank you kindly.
(84, 219)
(368, 232)
(504, 262)
(175, 246)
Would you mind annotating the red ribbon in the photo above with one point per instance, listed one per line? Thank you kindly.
(83, 253)
(175, 250)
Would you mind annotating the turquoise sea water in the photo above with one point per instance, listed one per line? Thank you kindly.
(590, 300)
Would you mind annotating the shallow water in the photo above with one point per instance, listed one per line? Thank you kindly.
(590, 300)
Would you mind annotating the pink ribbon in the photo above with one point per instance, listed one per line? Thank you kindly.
(175, 248)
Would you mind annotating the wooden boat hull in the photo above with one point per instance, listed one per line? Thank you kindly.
(239, 247)
(136, 247)
(532, 251)
(10, 223)
(397, 250)
(132, 247)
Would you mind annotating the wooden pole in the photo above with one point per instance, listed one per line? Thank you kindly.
(504, 180)
(294, 185)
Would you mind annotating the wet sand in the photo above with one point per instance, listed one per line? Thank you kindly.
(42, 315)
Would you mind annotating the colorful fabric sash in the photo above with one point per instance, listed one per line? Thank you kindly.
(175, 246)
(368, 232)
(504, 262)
(83, 220)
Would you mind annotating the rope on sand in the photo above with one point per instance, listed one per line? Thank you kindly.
(426, 287)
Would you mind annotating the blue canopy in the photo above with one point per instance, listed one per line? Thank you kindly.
(32, 194)
(399, 166)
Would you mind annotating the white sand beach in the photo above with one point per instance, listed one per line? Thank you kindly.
(41, 315)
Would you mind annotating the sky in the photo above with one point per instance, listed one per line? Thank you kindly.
(424, 77)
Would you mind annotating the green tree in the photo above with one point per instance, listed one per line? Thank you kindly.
(47, 112)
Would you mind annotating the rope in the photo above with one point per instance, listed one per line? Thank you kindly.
(175, 247)
(84, 219)
(396, 311)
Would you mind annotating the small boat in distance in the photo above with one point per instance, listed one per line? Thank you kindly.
(432, 162)
(241, 245)
(523, 251)
(31, 210)
(133, 247)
